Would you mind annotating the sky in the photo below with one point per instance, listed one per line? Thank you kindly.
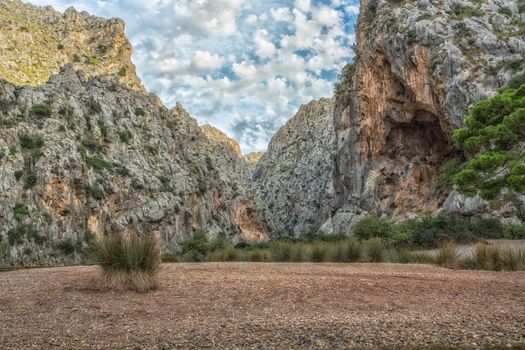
(243, 66)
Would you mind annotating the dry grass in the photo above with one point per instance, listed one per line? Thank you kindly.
(489, 257)
(448, 255)
(128, 262)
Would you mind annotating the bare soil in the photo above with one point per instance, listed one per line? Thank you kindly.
(267, 306)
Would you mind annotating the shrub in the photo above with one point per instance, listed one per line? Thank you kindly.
(122, 71)
(31, 142)
(96, 192)
(16, 235)
(67, 247)
(348, 250)
(140, 112)
(41, 110)
(447, 255)
(319, 252)
(447, 171)
(192, 256)
(99, 164)
(103, 128)
(375, 250)
(30, 181)
(405, 256)
(505, 11)
(488, 257)
(125, 136)
(20, 211)
(129, 261)
(281, 251)
(298, 252)
(92, 144)
(228, 254)
(461, 12)
(372, 226)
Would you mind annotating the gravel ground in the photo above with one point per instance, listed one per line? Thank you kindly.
(265, 306)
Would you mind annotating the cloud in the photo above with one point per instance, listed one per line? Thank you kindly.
(204, 60)
(264, 48)
(245, 66)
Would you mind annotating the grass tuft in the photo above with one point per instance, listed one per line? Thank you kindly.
(129, 262)
(448, 255)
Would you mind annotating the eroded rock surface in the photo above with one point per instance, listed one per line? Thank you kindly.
(293, 178)
(420, 67)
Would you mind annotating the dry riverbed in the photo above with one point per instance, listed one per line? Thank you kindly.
(263, 305)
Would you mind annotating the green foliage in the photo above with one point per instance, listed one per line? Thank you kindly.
(125, 136)
(491, 130)
(96, 192)
(505, 11)
(136, 184)
(92, 144)
(60, 46)
(67, 247)
(372, 226)
(140, 112)
(76, 58)
(18, 174)
(103, 128)
(102, 49)
(30, 181)
(31, 142)
(343, 86)
(122, 71)
(17, 234)
(41, 110)
(99, 164)
(487, 257)
(20, 211)
(516, 81)
(461, 12)
(449, 169)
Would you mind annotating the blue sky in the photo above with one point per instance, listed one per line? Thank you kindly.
(244, 66)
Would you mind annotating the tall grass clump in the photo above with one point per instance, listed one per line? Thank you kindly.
(319, 251)
(281, 251)
(487, 257)
(447, 255)
(405, 256)
(128, 261)
(348, 250)
(375, 250)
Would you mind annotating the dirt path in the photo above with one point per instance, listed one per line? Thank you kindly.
(270, 306)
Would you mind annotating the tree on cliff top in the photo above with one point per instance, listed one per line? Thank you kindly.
(494, 140)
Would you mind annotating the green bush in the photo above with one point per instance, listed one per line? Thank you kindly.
(487, 257)
(129, 261)
(491, 130)
(31, 142)
(122, 71)
(343, 86)
(41, 110)
(20, 211)
(281, 251)
(505, 11)
(97, 192)
(125, 136)
(348, 250)
(67, 247)
(99, 164)
(30, 181)
(140, 112)
(92, 144)
(372, 226)
(461, 12)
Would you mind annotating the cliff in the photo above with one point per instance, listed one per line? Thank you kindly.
(420, 66)
(294, 176)
(89, 152)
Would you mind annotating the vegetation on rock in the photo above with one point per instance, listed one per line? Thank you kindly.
(491, 138)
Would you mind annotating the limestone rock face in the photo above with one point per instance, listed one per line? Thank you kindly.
(293, 178)
(36, 42)
(101, 158)
(420, 66)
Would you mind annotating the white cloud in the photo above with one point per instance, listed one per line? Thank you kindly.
(204, 60)
(242, 65)
(265, 48)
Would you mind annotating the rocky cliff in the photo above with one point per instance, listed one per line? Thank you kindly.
(36, 42)
(84, 155)
(419, 67)
(294, 176)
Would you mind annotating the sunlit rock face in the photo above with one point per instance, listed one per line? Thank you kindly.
(420, 66)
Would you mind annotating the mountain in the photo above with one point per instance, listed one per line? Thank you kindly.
(84, 155)
(294, 177)
(418, 68)
(36, 42)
